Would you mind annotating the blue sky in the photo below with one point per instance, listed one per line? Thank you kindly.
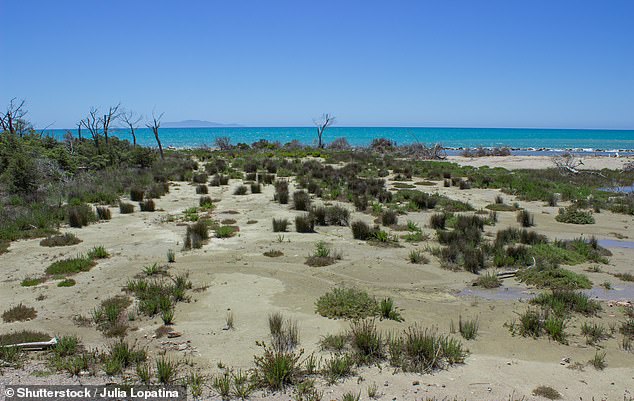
(487, 63)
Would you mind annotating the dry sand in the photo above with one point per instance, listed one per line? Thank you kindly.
(241, 280)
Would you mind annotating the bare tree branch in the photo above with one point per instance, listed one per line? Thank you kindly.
(13, 118)
(154, 125)
(129, 118)
(322, 123)
(108, 118)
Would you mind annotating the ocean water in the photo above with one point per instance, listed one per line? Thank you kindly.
(552, 139)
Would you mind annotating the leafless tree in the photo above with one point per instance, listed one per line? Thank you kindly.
(108, 118)
(132, 120)
(79, 130)
(13, 119)
(322, 123)
(223, 142)
(92, 123)
(567, 163)
(154, 125)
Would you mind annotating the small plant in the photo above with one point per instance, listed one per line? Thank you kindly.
(389, 218)
(222, 385)
(417, 257)
(547, 392)
(147, 205)
(437, 221)
(525, 218)
(69, 282)
(338, 367)
(304, 224)
(573, 215)
(361, 230)
(273, 253)
(171, 256)
(334, 342)
(165, 370)
(280, 225)
(387, 310)
(19, 313)
(126, 208)
(32, 281)
(70, 266)
(373, 391)
(225, 231)
(488, 280)
(468, 328)
(103, 213)
(98, 252)
(60, 240)
(347, 303)
(80, 215)
(202, 189)
(229, 321)
(136, 194)
(593, 332)
(598, 361)
(349, 396)
(277, 369)
(206, 203)
(240, 190)
(256, 188)
(301, 201)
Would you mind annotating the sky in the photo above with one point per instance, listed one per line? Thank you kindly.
(487, 63)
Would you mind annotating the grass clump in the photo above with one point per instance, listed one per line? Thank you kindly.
(195, 235)
(554, 278)
(334, 342)
(423, 350)
(240, 190)
(387, 310)
(98, 252)
(70, 266)
(202, 189)
(389, 218)
(361, 230)
(301, 200)
(322, 256)
(305, 223)
(226, 231)
(273, 253)
(19, 313)
(488, 280)
(136, 194)
(126, 208)
(147, 205)
(417, 257)
(525, 218)
(573, 215)
(468, 328)
(60, 240)
(103, 213)
(562, 302)
(280, 225)
(346, 303)
(598, 361)
(80, 215)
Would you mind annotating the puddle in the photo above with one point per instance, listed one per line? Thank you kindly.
(620, 292)
(498, 294)
(611, 243)
(622, 190)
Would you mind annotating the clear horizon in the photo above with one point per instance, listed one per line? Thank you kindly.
(454, 64)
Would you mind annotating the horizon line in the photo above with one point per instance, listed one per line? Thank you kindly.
(237, 125)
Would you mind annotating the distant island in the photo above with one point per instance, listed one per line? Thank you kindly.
(195, 124)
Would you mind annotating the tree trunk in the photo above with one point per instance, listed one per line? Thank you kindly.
(156, 135)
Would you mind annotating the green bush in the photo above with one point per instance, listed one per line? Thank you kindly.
(573, 215)
(347, 303)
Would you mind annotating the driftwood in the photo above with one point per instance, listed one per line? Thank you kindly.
(513, 273)
(34, 346)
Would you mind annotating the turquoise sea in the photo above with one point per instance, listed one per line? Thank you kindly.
(516, 138)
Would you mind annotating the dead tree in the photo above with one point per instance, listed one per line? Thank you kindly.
(322, 123)
(154, 125)
(13, 118)
(108, 118)
(93, 124)
(567, 163)
(79, 130)
(130, 119)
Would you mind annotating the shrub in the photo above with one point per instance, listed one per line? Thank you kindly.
(348, 303)
(126, 208)
(147, 205)
(360, 203)
(424, 351)
(195, 235)
(366, 341)
(60, 240)
(437, 221)
(319, 215)
(280, 225)
(547, 392)
(525, 218)
(573, 215)
(301, 200)
(103, 213)
(338, 367)
(361, 230)
(305, 223)
(554, 277)
(240, 190)
(562, 302)
(19, 313)
(202, 189)
(70, 266)
(389, 218)
(171, 256)
(136, 194)
(256, 188)
(489, 280)
(80, 215)
(200, 178)
(205, 202)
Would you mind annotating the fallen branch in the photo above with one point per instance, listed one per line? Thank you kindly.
(34, 346)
